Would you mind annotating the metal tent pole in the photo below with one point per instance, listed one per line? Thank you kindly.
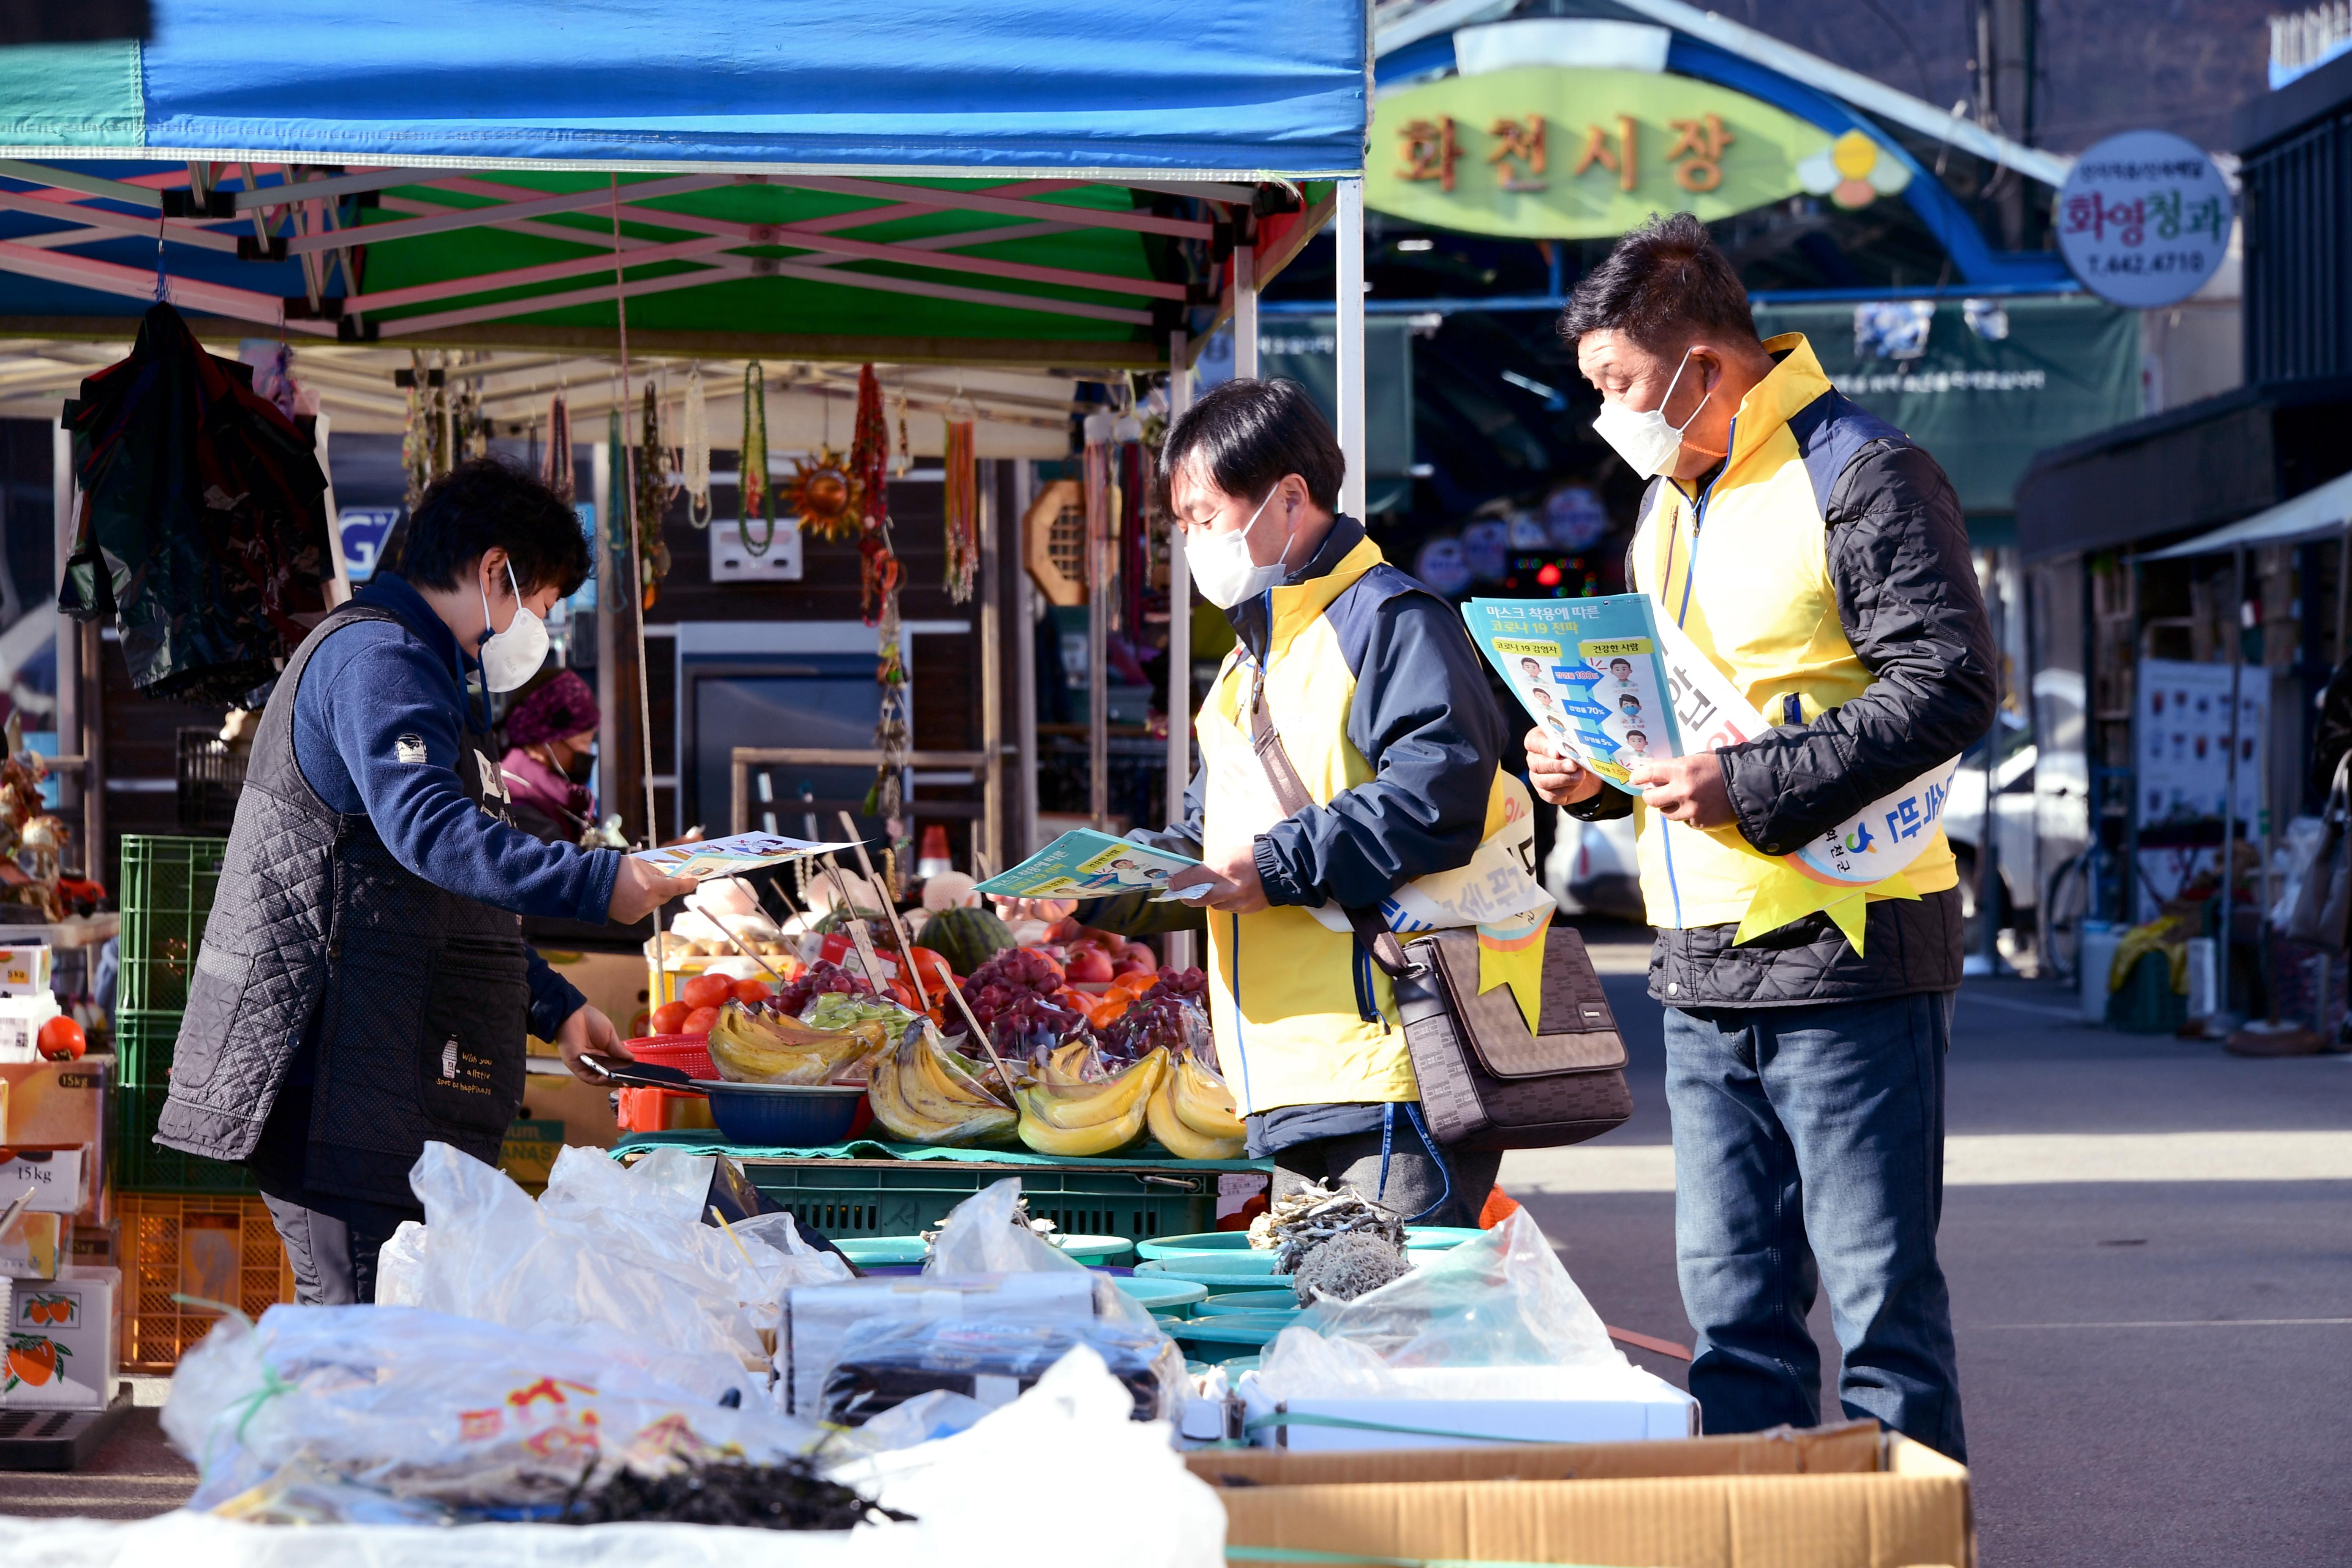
(1246, 310)
(1349, 345)
(992, 670)
(609, 590)
(2229, 774)
(1179, 638)
(1024, 660)
(74, 780)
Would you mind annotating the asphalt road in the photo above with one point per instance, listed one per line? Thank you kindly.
(2149, 1246)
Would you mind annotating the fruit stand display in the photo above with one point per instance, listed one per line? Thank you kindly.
(984, 1048)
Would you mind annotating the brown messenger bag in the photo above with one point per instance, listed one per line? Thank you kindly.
(1487, 1082)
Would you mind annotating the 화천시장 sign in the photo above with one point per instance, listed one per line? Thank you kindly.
(1568, 152)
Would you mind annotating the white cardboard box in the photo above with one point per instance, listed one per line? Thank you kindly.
(25, 970)
(53, 1175)
(62, 1345)
(1560, 1404)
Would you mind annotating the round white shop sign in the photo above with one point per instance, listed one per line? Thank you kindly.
(2143, 219)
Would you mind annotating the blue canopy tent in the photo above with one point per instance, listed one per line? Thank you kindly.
(1030, 183)
(1129, 146)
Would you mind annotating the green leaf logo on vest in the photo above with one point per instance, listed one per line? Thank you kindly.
(1549, 152)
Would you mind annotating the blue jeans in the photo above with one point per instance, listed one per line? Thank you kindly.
(1808, 1149)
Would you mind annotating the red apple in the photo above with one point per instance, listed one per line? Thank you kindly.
(1136, 955)
(1089, 966)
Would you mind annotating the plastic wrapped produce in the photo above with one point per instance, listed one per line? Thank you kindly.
(468, 1414)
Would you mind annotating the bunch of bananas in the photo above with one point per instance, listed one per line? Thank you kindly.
(922, 1093)
(751, 1048)
(1187, 1108)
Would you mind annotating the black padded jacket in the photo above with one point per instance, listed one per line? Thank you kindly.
(1908, 601)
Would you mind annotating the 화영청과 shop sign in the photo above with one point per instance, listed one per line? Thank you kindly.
(2143, 218)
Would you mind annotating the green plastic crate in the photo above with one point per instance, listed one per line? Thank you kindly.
(906, 1197)
(141, 1166)
(167, 892)
(142, 1047)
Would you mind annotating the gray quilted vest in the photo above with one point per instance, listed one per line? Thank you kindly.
(420, 996)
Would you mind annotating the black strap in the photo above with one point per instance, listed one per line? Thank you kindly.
(1290, 793)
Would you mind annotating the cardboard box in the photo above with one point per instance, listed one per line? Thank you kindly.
(53, 1174)
(57, 1102)
(528, 1153)
(35, 1246)
(1550, 1405)
(1838, 1497)
(61, 1342)
(21, 1018)
(25, 970)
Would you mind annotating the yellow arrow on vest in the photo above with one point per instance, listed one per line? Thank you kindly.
(1787, 895)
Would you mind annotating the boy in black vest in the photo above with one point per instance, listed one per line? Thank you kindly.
(363, 987)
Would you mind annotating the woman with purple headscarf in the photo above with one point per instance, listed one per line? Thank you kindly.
(552, 750)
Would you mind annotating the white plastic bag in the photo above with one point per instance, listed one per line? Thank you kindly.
(622, 1247)
(1502, 1301)
(979, 1237)
(422, 1404)
(1118, 1492)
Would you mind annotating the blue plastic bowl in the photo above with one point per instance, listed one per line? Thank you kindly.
(784, 1115)
(1161, 1295)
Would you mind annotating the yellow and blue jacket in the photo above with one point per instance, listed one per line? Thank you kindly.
(1384, 708)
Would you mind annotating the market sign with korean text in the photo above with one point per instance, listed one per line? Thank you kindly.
(2143, 218)
(1553, 152)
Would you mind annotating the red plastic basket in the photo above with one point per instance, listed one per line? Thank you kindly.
(689, 1052)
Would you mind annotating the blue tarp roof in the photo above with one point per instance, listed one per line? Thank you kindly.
(1240, 88)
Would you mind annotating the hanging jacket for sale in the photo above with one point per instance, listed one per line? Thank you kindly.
(203, 529)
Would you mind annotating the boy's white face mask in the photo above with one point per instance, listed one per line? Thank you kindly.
(1647, 442)
(513, 656)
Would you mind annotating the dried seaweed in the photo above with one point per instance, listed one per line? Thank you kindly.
(792, 1495)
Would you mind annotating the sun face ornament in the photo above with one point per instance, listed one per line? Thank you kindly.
(1854, 171)
(824, 494)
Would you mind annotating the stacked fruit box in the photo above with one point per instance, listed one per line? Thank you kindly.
(167, 892)
(192, 1229)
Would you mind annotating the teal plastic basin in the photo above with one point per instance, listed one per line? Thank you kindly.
(1251, 1329)
(1232, 1246)
(1232, 1301)
(883, 1251)
(1215, 1273)
(1161, 1294)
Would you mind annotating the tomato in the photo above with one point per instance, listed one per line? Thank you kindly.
(936, 971)
(904, 994)
(706, 990)
(698, 1022)
(61, 1040)
(751, 993)
(669, 1018)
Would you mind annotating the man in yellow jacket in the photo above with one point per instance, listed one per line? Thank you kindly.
(1819, 559)
(1383, 706)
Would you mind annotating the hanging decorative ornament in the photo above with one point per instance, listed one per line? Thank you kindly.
(759, 496)
(694, 441)
(558, 472)
(1101, 517)
(880, 576)
(653, 490)
(824, 495)
(962, 488)
(416, 437)
(906, 452)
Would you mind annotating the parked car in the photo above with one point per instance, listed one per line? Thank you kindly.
(2013, 815)
(1591, 870)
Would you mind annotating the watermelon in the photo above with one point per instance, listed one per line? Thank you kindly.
(966, 938)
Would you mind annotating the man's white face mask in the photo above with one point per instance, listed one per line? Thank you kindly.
(1220, 564)
(1647, 442)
